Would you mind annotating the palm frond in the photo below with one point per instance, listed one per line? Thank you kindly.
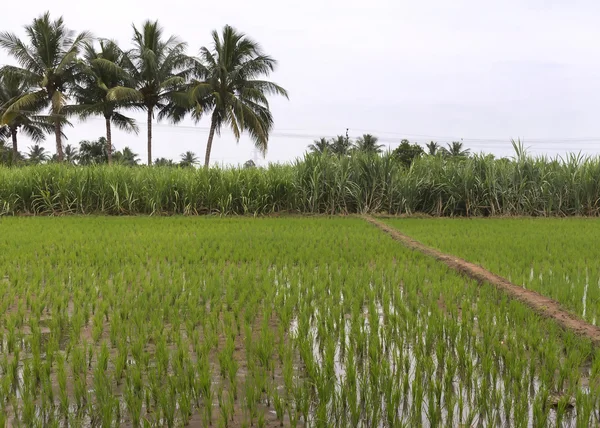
(109, 67)
(84, 111)
(124, 123)
(28, 102)
(122, 93)
(35, 133)
(266, 87)
(25, 75)
(22, 53)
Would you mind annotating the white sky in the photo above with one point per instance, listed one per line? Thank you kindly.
(423, 70)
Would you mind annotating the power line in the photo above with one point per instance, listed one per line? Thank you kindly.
(387, 137)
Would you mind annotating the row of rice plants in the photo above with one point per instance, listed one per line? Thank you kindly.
(555, 257)
(479, 185)
(266, 322)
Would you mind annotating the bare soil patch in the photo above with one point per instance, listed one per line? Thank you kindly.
(540, 304)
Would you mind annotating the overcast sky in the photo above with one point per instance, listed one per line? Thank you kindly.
(424, 70)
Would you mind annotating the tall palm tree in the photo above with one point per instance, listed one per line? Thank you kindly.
(37, 154)
(368, 144)
(188, 159)
(101, 71)
(48, 63)
(12, 88)
(230, 85)
(321, 145)
(432, 148)
(456, 150)
(159, 69)
(340, 145)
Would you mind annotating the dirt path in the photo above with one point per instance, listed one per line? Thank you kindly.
(541, 304)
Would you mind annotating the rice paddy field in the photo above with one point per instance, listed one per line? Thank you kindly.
(559, 258)
(292, 321)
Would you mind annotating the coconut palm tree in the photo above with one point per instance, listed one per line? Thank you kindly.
(341, 145)
(48, 64)
(71, 154)
(230, 86)
(164, 162)
(93, 152)
(321, 145)
(159, 68)
(127, 157)
(432, 148)
(456, 150)
(101, 71)
(37, 154)
(35, 126)
(188, 159)
(368, 144)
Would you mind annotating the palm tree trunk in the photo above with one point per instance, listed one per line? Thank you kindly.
(15, 148)
(211, 134)
(58, 134)
(150, 136)
(108, 140)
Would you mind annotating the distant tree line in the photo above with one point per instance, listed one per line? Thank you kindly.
(406, 152)
(61, 75)
(89, 152)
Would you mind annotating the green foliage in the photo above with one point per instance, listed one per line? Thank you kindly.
(164, 162)
(433, 148)
(406, 153)
(100, 71)
(188, 159)
(71, 154)
(47, 64)
(321, 145)
(93, 152)
(154, 321)
(340, 145)
(126, 157)
(157, 69)
(27, 121)
(37, 155)
(368, 143)
(343, 146)
(155, 76)
(555, 257)
(96, 153)
(230, 84)
(6, 154)
(474, 186)
(455, 149)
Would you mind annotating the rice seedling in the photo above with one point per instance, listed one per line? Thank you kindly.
(262, 322)
(555, 257)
